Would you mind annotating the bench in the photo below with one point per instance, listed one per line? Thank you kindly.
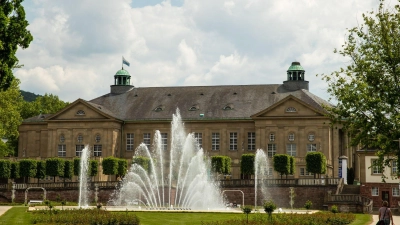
(35, 202)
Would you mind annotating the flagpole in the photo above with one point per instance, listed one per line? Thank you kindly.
(122, 62)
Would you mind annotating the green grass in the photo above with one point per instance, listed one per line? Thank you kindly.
(18, 215)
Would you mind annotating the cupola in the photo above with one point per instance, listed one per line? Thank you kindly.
(295, 78)
(122, 80)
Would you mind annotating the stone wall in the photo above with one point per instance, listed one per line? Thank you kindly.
(366, 190)
(280, 195)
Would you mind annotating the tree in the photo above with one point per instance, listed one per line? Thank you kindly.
(93, 168)
(247, 164)
(40, 170)
(367, 89)
(55, 167)
(77, 166)
(68, 169)
(282, 164)
(15, 170)
(27, 168)
(13, 34)
(316, 163)
(46, 104)
(5, 167)
(110, 165)
(122, 167)
(144, 162)
(10, 106)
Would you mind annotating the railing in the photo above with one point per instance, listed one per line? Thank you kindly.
(282, 182)
(355, 199)
(59, 185)
(340, 186)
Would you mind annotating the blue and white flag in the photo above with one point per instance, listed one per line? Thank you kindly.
(125, 62)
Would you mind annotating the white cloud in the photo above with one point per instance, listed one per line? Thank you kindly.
(78, 45)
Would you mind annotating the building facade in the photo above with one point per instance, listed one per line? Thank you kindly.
(228, 120)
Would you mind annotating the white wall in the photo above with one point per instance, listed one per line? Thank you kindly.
(377, 178)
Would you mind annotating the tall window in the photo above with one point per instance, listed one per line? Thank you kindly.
(80, 138)
(97, 150)
(271, 137)
(395, 191)
(78, 150)
(130, 141)
(271, 151)
(233, 141)
(311, 137)
(311, 147)
(164, 141)
(251, 141)
(291, 149)
(199, 139)
(374, 191)
(394, 167)
(215, 141)
(146, 139)
(376, 169)
(62, 152)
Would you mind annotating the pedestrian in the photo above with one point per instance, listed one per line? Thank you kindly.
(385, 214)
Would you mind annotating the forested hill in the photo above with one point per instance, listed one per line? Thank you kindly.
(29, 96)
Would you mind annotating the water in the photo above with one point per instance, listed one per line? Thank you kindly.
(180, 178)
(261, 167)
(83, 178)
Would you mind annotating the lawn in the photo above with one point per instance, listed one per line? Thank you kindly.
(18, 215)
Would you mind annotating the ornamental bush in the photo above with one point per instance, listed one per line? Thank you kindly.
(5, 167)
(55, 167)
(247, 164)
(110, 165)
(27, 168)
(282, 164)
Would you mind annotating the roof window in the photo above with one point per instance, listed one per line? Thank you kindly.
(159, 108)
(80, 113)
(228, 107)
(194, 108)
(291, 109)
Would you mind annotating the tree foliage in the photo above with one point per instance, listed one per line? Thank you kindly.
(93, 168)
(110, 165)
(144, 162)
(247, 164)
(221, 164)
(367, 90)
(282, 164)
(10, 106)
(316, 163)
(68, 169)
(15, 170)
(27, 167)
(5, 167)
(46, 104)
(122, 167)
(13, 34)
(55, 167)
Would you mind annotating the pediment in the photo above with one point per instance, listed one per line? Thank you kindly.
(81, 110)
(289, 107)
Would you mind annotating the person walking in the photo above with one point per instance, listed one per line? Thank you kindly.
(385, 214)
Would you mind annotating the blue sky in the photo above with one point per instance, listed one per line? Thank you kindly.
(78, 45)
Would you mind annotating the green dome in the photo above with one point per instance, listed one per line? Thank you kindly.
(122, 72)
(295, 66)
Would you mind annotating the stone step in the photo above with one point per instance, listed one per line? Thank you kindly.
(351, 189)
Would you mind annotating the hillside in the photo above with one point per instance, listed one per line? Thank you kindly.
(29, 96)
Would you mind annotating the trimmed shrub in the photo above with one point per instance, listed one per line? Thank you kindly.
(93, 168)
(110, 165)
(5, 167)
(14, 170)
(247, 164)
(144, 162)
(68, 169)
(40, 170)
(55, 167)
(122, 167)
(316, 163)
(27, 168)
(282, 164)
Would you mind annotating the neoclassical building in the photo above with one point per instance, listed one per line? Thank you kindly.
(226, 120)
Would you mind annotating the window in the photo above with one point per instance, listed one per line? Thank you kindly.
(233, 141)
(193, 108)
(311, 137)
(291, 137)
(62, 152)
(374, 191)
(97, 138)
(271, 137)
(304, 172)
(395, 191)
(80, 138)
(270, 171)
(146, 139)
(215, 141)
(376, 169)
(271, 151)
(164, 141)
(251, 141)
(62, 138)
(291, 109)
(78, 150)
(394, 167)
(97, 150)
(199, 139)
(291, 149)
(130, 141)
(80, 113)
(159, 108)
(311, 147)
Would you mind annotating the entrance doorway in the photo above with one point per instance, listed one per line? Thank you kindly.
(385, 196)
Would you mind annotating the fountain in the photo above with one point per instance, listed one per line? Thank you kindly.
(83, 178)
(181, 180)
(261, 168)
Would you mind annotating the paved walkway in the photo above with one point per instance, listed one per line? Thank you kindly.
(396, 219)
(4, 209)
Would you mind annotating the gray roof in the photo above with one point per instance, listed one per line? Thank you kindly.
(245, 101)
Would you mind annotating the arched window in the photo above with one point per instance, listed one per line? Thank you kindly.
(311, 137)
(159, 108)
(62, 138)
(80, 113)
(97, 138)
(291, 137)
(271, 137)
(291, 109)
(80, 138)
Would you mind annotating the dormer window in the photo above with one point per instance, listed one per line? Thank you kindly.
(194, 108)
(291, 109)
(80, 113)
(159, 108)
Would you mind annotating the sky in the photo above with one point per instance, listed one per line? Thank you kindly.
(78, 45)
